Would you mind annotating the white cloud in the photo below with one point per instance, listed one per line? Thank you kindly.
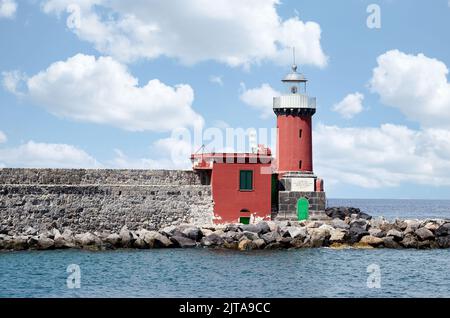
(3, 137)
(216, 80)
(12, 81)
(260, 98)
(176, 150)
(391, 155)
(8, 8)
(234, 32)
(166, 153)
(173, 153)
(122, 161)
(102, 91)
(350, 105)
(388, 155)
(415, 84)
(221, 124)
(45, 155)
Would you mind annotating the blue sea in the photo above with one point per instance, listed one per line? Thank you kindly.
(319, 272)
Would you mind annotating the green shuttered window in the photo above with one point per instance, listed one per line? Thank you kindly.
(246, 180)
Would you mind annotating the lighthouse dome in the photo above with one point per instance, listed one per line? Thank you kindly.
(294, 76)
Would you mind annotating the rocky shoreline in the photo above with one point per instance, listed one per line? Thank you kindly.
(345, 228)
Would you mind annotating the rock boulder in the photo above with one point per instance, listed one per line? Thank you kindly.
(182, 241)
(296, 231)
(424, 234)
(396, 234)
(340, 224)
(271, 237)
(246, 245)
(409, 241)
(443, 230)
(212, 240)
(337, 235)
(371, 240)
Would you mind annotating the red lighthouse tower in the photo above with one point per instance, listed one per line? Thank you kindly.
(300, 194)
(294, 113)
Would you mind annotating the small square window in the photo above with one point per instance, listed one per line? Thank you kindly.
(244, 220)
(300, 133)
(246, 180)
(300, 164)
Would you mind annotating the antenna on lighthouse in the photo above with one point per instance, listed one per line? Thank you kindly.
(294, 80)
(293, 54)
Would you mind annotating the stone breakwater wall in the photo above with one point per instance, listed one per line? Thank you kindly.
(350, 232)
(83, 200)
(98, 177)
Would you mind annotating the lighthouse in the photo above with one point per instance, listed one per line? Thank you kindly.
(248, 187)
(300, 194)
(294, 112)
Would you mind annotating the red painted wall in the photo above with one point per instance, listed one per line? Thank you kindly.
(229, 201)
(319, 185)
(290, 147)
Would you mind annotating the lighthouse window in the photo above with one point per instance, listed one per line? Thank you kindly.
(300, 133)
(245, 180)
(300, 164)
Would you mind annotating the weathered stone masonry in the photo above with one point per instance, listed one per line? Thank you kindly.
(95, 200)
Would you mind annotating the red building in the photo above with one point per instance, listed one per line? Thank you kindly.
(244, 186)
(241, 184)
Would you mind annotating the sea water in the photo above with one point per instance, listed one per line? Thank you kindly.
(320, 272)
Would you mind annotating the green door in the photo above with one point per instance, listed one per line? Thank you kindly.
(302, 209)
(244, 220)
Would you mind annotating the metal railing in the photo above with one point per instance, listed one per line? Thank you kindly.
(294, 101)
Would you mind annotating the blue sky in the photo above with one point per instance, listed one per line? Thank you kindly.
(76, 89)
